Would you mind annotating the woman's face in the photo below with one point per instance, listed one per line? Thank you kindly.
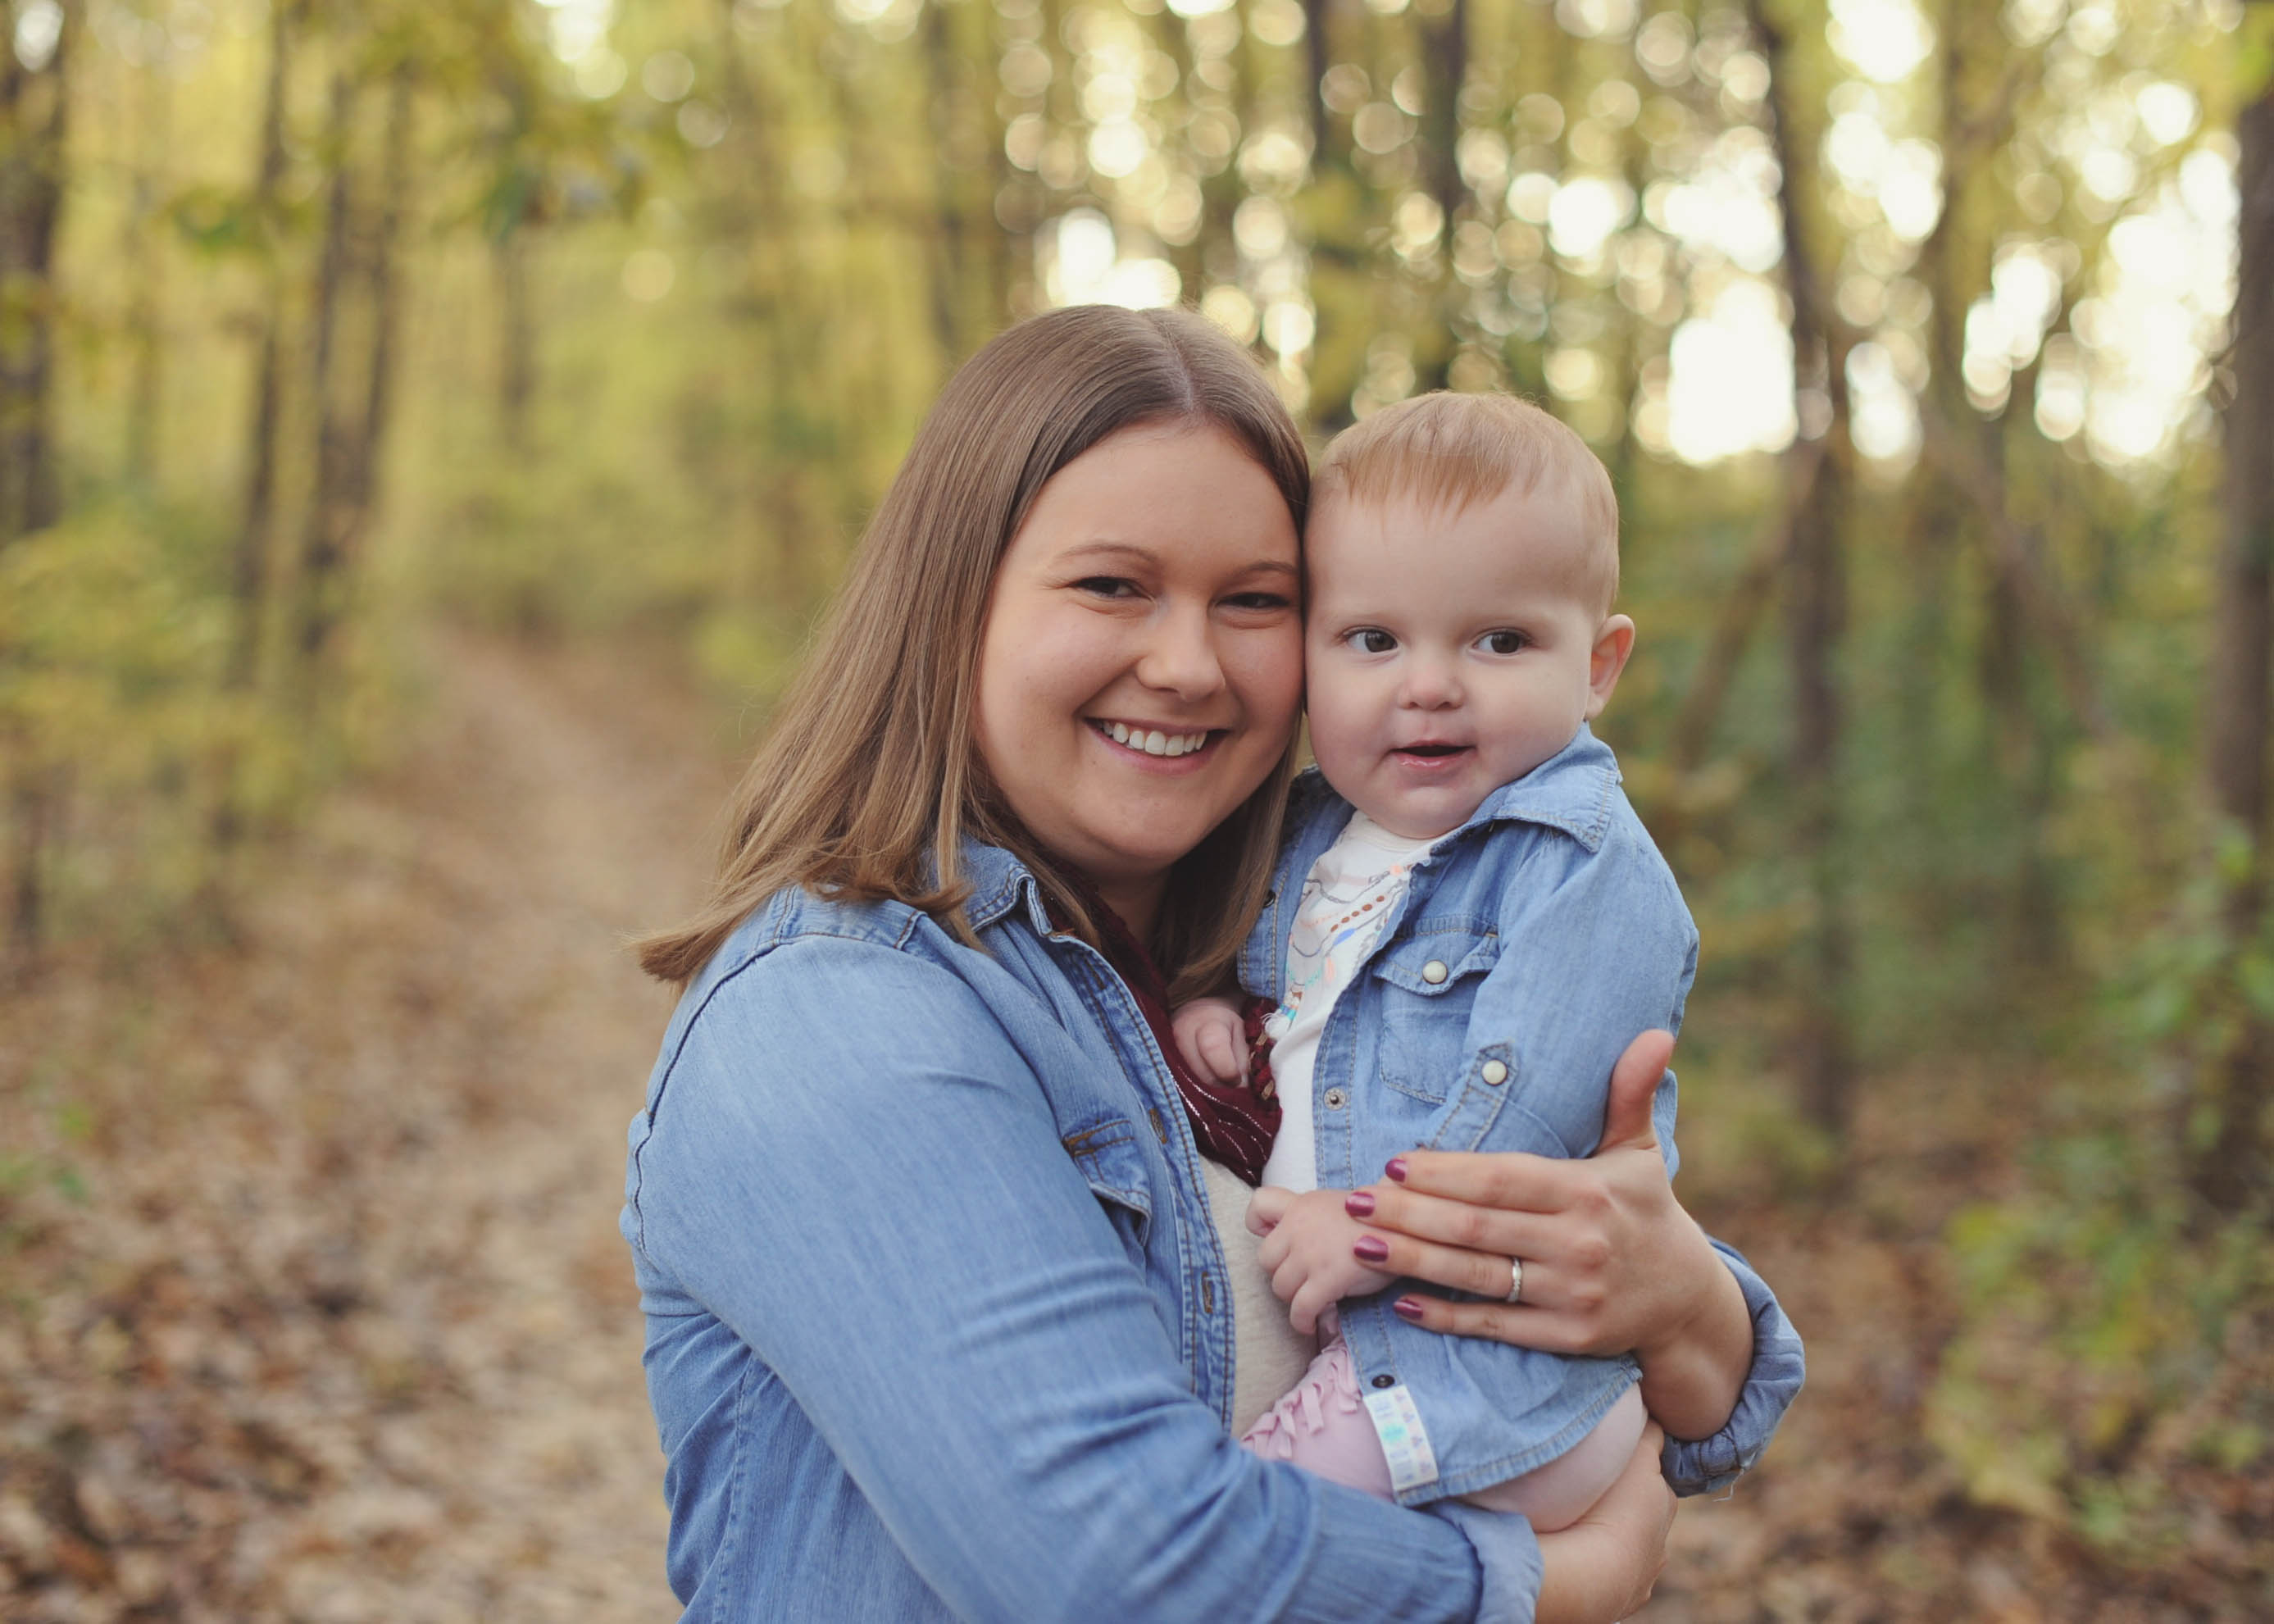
(1143, 660)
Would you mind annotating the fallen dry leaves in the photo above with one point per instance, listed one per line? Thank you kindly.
(338, 1327)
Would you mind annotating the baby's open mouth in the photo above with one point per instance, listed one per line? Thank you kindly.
(1432, 749)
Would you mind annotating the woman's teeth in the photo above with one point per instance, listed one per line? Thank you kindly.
(1153, 743)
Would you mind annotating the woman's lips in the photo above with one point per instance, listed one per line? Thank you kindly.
(1157, 744)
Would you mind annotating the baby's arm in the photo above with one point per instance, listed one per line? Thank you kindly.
(1307, 1242)
(1213, 1038)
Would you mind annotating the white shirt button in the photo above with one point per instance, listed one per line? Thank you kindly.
(1494, 1073)
(1433, 972)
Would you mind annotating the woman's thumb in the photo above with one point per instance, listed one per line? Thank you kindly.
(1634, 1085)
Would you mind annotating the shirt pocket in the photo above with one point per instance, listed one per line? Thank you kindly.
(1425, 985)
(1112, 1161)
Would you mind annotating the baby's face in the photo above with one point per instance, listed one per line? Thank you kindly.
(1447, 653)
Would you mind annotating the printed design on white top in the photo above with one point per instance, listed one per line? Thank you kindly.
(1350, 890)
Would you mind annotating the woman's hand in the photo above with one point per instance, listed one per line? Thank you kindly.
(1611, 1262)
(1603, 1566)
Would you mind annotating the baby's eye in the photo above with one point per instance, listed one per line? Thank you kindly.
(1370, 640)
(1503, 642)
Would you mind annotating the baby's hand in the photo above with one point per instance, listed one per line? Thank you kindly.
(1306, 1247)
(1212, 1039)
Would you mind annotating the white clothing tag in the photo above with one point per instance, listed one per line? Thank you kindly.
(1404, 1440)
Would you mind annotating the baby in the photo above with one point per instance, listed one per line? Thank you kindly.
(1468, 925)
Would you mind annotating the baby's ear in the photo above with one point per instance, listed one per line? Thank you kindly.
(1614, 642)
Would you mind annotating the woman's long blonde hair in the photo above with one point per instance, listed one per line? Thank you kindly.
(868, 780)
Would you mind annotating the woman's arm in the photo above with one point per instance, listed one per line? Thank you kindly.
(853, 1166)
(1621, 1267)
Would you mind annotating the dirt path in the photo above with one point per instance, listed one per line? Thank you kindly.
(316, 1309)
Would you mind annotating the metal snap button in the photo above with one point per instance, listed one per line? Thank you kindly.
(1433, 972)
(1336, 1098)
(1495, 1073)
(1385, 1381)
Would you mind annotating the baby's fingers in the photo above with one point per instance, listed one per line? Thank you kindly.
(1267, 1208)
(1226, 1057)
(1314, 1297)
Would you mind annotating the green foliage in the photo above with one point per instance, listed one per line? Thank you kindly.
(111, 707)
(2105, 1346)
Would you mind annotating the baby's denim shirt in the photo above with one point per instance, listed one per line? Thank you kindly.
(1532, 946)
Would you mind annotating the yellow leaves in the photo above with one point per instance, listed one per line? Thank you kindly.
(107, 650)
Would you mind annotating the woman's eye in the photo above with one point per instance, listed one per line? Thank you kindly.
(1372, 640)
(1106, 586)
(1504, 642)
(1260, 603)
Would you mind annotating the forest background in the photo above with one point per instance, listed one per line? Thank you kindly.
(353, 356)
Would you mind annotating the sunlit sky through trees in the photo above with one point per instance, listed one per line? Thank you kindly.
(1654, 185)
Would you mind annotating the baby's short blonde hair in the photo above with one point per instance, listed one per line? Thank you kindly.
(1448, 450)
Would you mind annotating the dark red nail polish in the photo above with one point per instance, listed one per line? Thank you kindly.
(1370, 1249)
(1359, 1204)
(1406, 1308)
(1397, 1169)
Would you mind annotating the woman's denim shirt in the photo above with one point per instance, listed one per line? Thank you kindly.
(1531, 947)
(937, 1325)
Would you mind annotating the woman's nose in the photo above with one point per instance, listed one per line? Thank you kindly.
(1180, 657)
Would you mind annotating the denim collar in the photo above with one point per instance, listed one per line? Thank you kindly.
(1573, 790)
(999, 883)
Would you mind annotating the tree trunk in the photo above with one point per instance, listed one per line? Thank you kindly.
(145, 390)
(2231, 1169)
(1445, 56)
(34, 105)
(960, 270)
(1816, 606)
(323, 544)
(32, 111)
(516, 339)
(249, 574)
(350, 450)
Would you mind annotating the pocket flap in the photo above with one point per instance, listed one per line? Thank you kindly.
(1432, 966)
(1113, 1162)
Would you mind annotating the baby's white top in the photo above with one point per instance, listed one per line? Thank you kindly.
(1355, 884)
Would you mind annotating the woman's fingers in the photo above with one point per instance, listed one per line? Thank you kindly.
(1524, 1324)
(1456, 1224)
(1508, 1180)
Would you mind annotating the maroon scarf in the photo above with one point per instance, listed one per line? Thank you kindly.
(1232, 1124)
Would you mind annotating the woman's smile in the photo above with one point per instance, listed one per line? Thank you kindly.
(1157, 742)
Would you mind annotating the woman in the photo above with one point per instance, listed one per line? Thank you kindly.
(939, 1326)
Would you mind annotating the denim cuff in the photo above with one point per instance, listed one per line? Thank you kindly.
(1508, 1556)
(1708, 1465)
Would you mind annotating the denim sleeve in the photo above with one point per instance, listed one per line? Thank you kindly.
(1708, 1465)
(853, 1165)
